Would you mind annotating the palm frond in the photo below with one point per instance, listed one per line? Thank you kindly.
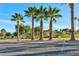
(13, 16)
(13, 19)
(46, 15)
(57, 16)
(23, 21)
(54, 20)
(71, 5)
(17, 17)
(55, 11)
(75, 18)
(26, 11)
(50, 9)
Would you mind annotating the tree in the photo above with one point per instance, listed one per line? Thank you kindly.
(41, 14)
(1, 34)
(24, 30)
(72, 20)
(18, 18)
(31, 12)
(27, 29)
(8, 34)
(37, 29)
(53, 13)
(21, 28)
(71, 5)
(14, 33)
(3, 31)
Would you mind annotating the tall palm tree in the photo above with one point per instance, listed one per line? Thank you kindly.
(53, 13)
(76, 18)
(72, 20)
(71, 5)
(31, 12)
(18, 18)
(40, 16)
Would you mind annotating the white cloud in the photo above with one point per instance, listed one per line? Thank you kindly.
(60, 26)
(7, 22)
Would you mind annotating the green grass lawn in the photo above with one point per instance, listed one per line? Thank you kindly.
(53, 39)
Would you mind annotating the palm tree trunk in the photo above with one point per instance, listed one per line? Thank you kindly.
(17, 30)
(72, 21)
(50, 32)
(41, 29)
(32, 28)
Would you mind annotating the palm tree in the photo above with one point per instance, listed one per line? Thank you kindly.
(71, 5)
(53, 13)
(18, 18)
(41, 14)
(31, 12)
(72, 20)
(76, 18)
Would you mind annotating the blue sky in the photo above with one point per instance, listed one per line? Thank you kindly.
(8, 9)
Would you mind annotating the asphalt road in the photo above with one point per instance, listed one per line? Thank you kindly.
(39, 48)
